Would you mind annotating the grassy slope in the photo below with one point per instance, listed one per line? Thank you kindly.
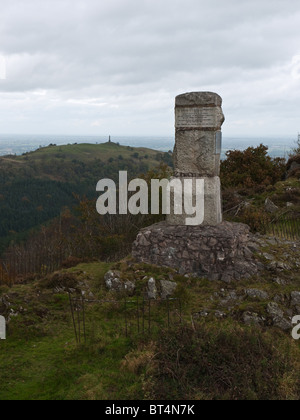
(82, 152)
(40, 359)
(88, 151)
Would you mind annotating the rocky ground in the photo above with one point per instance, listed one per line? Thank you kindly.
(270, 298)
(239, 330)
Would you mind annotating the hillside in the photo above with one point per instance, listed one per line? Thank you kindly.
(228, 345)
(87, 153)
(35, 187)
(142, 331)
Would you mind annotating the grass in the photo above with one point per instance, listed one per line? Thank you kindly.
(52, 368)
(40, 359)
(87, 152)
(95, 271)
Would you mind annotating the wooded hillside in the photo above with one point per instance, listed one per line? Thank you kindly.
(35, 187)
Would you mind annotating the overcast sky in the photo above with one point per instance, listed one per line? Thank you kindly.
(115, 66)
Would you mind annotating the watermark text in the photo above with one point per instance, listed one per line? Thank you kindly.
(180, 196)
(296, 329)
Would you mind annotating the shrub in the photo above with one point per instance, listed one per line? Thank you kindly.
(223, 362)
(251, 169)
(293, 166)
(60, 280)
(256, 218)
(72, 262)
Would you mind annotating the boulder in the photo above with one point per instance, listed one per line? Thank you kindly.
(277, 317)
(257, 294)
(295, 299)
(230, 299)
(114, 283)
(270, 207)
(129, 287)
(167, 288)
(113, 280)
(152, 289)
(251, 318)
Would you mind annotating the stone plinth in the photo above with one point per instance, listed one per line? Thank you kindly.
(214, 252)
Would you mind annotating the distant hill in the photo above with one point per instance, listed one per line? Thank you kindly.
(36, 186)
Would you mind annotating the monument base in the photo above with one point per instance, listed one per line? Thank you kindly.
(214, 252)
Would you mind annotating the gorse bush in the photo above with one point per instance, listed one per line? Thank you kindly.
(293, 165)
(223, 362)
(251, 169)
(296, 150)
(256, 218)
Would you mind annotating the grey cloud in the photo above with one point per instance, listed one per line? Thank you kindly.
(128, 53)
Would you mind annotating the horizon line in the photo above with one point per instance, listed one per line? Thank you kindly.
(146, 135)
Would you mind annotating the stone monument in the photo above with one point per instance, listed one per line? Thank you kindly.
(198, 138)
(213, 249)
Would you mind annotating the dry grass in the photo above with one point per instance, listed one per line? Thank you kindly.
(141, 359)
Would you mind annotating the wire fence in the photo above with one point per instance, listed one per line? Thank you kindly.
(16, 265)
(286, 226)
(138, 315)
(44, 259)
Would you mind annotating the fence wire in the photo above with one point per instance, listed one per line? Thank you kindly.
(138, 315)
(286, 226)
